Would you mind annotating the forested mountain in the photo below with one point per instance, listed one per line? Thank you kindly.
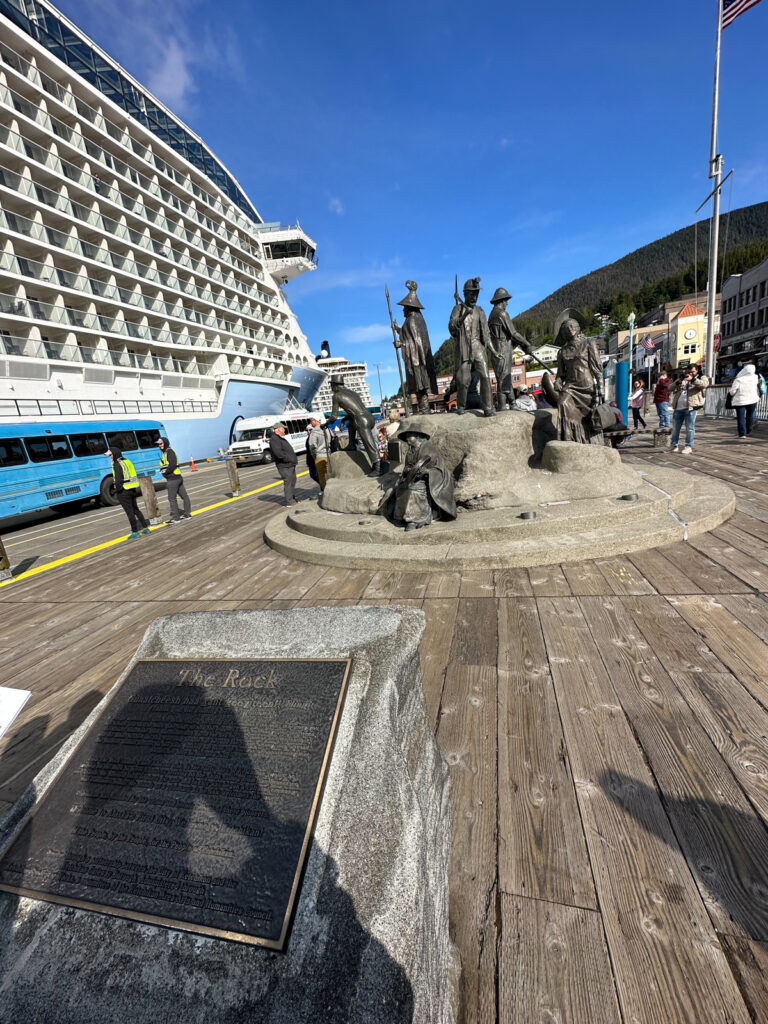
(633, 281)
(659, 272)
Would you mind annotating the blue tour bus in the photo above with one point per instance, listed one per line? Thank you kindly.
(44, 465)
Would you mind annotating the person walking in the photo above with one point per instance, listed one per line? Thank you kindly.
(285, 460)
(745, 392)
(311, 469)
(169, 467)
(319, 446)
(687, 397)
(127, 490)
(636, 403)
(661, 398)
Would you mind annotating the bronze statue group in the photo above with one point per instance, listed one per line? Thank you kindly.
(424, 491)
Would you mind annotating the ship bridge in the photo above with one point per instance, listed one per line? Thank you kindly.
(288, 250)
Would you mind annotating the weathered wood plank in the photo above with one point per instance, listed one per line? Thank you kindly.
(662, 573)
(655, 922)
(708, 575)
(723, 841)
(745, 654)
(443, 584)
(735, 561)
(475, 634)
(751, 609)
(549, 581)
(412, 585)
(623, 577)
(434, 651)
(512, 583)
(749, 963)
(466, 734)
(542, 851)
(585, 578)
(477, 583)
(554, 965)
(381, 585)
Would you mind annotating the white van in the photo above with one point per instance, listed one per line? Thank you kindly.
(252, 444)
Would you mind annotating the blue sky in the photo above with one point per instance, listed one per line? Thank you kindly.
(525, 143)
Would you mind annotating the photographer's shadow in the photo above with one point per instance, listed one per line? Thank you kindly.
(197, 846)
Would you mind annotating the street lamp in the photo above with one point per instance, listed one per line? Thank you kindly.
(631, 322)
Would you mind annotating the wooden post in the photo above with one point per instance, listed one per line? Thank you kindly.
(150, 500)
(5, 564)
(234, 478)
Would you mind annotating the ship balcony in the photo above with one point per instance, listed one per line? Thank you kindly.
(72, 352)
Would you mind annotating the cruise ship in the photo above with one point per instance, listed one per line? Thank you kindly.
(355, 377)
(136, 277)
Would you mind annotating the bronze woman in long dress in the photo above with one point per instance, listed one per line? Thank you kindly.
(579, 383)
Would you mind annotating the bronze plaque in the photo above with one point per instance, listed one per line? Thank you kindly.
(191, 800)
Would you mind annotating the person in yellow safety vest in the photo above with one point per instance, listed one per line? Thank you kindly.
(127, 490)
(169, 467)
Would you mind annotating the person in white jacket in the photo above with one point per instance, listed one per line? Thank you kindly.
(744, 395)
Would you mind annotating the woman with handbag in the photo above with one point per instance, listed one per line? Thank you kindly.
(744, 393)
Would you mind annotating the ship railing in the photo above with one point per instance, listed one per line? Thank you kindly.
(73, 408)
(72, 352)
(61, 130)
(32, 229)
(13, 180)
(53, 88)
(44, 272)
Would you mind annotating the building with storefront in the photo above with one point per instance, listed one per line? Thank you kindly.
(744, 337)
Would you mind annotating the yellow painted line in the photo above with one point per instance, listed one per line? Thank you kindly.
(119, 540)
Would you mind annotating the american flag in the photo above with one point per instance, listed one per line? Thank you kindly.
(647, 342)
(733, 8)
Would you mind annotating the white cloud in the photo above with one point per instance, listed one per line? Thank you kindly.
(171, 77)
(505, 143)
(335, 205)
(366, 334)
(164, 45)
(360, 277)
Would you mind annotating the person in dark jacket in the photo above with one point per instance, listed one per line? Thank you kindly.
(127, 490)
(661, 398)
(169, 467)
(311, 467)
(285, 460)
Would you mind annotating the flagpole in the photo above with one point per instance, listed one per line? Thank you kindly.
(715, 172)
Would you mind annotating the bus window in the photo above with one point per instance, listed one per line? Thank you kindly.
(48, 449)
(125, 440)
(251, 435)
(88, 444)
(147, 438)
(12, 452)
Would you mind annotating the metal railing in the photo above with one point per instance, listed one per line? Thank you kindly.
(49, 407)
(116, 132)
(714, 403)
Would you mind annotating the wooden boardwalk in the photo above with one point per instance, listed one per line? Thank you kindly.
(605, 724)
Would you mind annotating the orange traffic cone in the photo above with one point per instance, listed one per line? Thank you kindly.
(192, 465)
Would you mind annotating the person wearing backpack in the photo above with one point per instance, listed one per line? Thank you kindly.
(745, 393)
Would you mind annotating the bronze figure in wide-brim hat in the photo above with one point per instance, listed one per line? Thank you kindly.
(406, 431)
(500, 295)
(569, 314)
(411, 300)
